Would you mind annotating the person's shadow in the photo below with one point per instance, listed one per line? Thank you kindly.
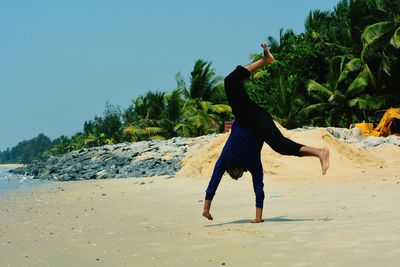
(274, 219)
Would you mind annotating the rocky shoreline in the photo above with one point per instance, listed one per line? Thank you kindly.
(140, 159)
(154, 158)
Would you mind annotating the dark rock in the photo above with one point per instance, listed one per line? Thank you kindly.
(140, 159)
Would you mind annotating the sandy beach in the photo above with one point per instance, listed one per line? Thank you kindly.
(348, 217)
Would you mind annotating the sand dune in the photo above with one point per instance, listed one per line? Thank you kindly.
(345, 158)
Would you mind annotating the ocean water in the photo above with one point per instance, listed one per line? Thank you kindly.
(9, 181)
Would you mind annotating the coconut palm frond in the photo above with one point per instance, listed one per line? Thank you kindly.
(260, 74)
(355, 64)
(376, 31)
(395, 41)
(369, 75)
(220, 108)
(366, 102)
(314, 108)
(153, 130)
(386, 65)
(358, 85)
(318, 91)
(204, 105)
(184, 129)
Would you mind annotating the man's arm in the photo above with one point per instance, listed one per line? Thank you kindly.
(216, 177)
(267, 58)
(258, 186)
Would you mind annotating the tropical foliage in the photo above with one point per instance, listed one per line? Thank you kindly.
(27, 151)
(346, 63)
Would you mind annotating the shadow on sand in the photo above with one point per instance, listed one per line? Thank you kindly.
(274, 219)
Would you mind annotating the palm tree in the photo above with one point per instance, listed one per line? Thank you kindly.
(172, 111)
(203, 110)
(60, 145)
(204, 83)
(148, 108)
(140, 107)
(385, 30)
(97, 139)
(340, 98)
(284, 101)
(200, 117)
(330, 31)
(156, 105)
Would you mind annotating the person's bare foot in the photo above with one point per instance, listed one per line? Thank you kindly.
(324, 159)
(257, 221)
(267, 56)
(207, 215)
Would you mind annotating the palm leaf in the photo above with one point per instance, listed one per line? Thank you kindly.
(376, 36)
(366, 102)
(368, 73)
(200, 120)
(173, 105)
(260, 74)
(184, 129)
(318, 91)
(314, 108)
(220, 108)
(255, 57)
(153, 130)
(376, 31)
(90, 139)
(355, 65)
(388, 6)
(336, 97)
(358, 85)
(344, 76)
(181, 84)
(134, 131)
(386, 64)
(204, 105)
(395, 41)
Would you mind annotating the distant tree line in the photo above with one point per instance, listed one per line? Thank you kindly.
(27, 151)
(342, 69)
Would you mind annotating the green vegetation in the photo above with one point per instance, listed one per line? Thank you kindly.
(27, 151)
(343, 68)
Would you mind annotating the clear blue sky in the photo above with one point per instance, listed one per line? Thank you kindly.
(60, 61)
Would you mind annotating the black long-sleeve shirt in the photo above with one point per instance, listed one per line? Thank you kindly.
(242, 149)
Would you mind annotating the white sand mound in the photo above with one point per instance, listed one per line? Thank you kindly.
(346, 159)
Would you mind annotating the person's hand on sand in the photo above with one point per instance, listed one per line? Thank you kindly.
(207, 215)
(267, 56)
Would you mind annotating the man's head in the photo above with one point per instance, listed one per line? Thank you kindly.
(235, 172)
